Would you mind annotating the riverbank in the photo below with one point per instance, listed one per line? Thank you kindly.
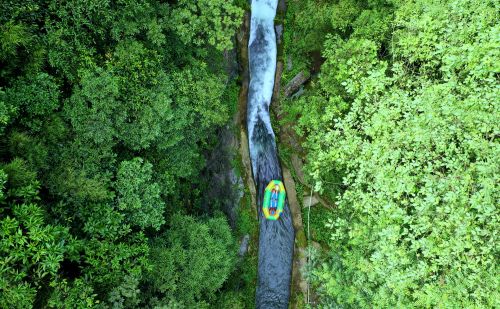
(292, 77)
(291, 164)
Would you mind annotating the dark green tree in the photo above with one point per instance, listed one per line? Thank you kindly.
(106, 111)
(191, 261)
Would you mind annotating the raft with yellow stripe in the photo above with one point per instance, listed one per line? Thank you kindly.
(274, 200)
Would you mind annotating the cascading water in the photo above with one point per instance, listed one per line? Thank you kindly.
(276, 238)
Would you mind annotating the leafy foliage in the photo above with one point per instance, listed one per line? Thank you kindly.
(107, 109)
(31, 254)
(35, 98)
(404, 116)
(138, 198)
(191, 261)
(206, 21)
(21, 181)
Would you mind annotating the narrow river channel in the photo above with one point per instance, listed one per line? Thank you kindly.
(276, 238)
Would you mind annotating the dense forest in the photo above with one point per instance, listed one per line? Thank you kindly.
(400, 124)
(111, 109)
(106, 111)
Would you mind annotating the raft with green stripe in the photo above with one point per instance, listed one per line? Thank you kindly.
(269, 212)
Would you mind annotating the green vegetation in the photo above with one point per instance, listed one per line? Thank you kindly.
(242, 283)
(401, 129)
(319, 232)
(107, 109)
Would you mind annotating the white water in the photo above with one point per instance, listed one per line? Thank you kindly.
(276, 238)
(262, 68)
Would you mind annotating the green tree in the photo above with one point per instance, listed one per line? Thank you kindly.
(404, 115)
(21, 182)
(107, 109)
(31, 253)
(191, 261)
(139, 197)
(206, 22)
(35, 98)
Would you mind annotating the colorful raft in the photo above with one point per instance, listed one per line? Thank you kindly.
(274, 200)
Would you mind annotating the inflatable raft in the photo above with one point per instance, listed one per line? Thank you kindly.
(274, 200)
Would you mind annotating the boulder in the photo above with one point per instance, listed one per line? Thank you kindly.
(298, 166)
(245, 241)
(279, 33)
(316, 245)
(293, 203)
(298, 93)
(277, 82)
(295, 83)
(307, 198)
(282, 6)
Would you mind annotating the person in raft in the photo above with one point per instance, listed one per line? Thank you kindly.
(274, 200)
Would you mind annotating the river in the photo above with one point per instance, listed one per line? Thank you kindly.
(276, 238)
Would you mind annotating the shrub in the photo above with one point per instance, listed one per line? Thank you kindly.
(410, 122)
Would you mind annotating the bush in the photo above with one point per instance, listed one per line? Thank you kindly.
(191, 260)
(410, 122)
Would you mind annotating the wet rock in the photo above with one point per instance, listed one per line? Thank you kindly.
(299, 266)
(277, 87)
(245, 241)
(308, 199)
(231, 63)
(316, 245)
(298, 93)
(293, 203)
(226, 186)
(239, 118)
(279, 32)
(295, 83)
(245, 159)
(298, 166)
(289, 65)
(282, 6)
(237, 182)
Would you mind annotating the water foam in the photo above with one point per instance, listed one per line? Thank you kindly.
(276, 238)
(263, 52)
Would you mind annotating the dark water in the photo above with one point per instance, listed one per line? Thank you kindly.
(276, 238)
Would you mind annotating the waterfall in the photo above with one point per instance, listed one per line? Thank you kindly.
(276, 238)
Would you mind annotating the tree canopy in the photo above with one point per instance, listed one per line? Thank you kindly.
(106, 110)
(401, 130)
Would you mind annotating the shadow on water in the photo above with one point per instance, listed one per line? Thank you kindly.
(276, 238)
